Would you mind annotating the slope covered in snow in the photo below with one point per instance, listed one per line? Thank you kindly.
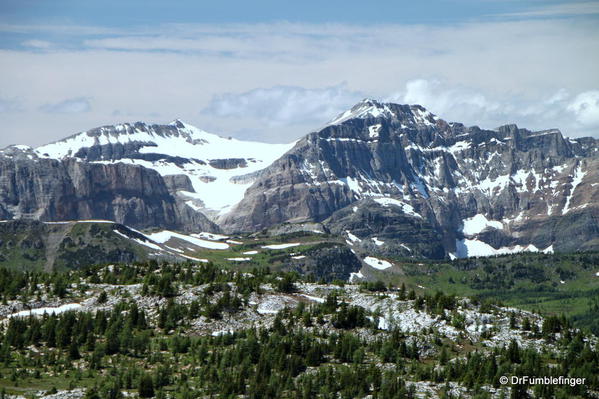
(369, 108)
(219, 169)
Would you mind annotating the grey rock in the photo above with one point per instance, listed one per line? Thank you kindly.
(69, 189)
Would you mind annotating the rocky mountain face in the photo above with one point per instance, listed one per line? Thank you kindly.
(394, 180)
(400, 180)
(34, 187)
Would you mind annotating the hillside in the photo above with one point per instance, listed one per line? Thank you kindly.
(183, 331)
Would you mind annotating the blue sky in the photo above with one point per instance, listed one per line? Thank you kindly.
(113, 13)
(273, 70)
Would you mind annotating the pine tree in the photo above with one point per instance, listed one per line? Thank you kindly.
(146, 386)
(74, 351)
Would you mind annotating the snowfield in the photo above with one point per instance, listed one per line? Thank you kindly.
(216, 189)
(406, 208)
(478, 223)
(377, 263)
(166, 235)
(473, 247)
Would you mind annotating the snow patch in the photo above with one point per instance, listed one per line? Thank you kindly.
(193, 258)
(314, 298)
(48, 310)
(373, 131)
(281, 246)
(406, 208)
(377, 241)
(165, 235)
(210, 236)
(472, 247)
(354, 276)
(377, 263)
(352, 237)
(478, 223)
(141, 242)
(576, 180)
(548, 250)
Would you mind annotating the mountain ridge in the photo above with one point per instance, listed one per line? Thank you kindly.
(421, 171)
(496, 173)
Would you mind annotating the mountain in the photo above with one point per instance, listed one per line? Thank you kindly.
(398, 180)
(168, 176)
(391, 180)
(209, 172)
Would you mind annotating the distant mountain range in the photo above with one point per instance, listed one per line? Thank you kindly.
(392, 180)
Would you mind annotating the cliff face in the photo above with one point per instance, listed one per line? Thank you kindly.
(469, 189)
(32, 187)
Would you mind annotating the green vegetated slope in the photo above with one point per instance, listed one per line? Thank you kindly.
(320, 256)
(193, 331)
(549, 283)
(33, 245)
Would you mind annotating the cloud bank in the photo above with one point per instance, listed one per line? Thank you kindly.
(284, 105)
(68, 106)
(575, 114)
(278, 81)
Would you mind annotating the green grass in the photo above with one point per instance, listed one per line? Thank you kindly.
(535, 282)
(274, 258)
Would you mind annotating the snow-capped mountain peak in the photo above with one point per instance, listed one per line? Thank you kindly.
(367, 108)
(219, 169)
(408, 115)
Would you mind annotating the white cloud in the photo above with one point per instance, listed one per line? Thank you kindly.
(68, 106)
(459, 102)
(574, 115)
(479, 73)
(560, 10)
(586, 108)
(39, 44)
(284, 105)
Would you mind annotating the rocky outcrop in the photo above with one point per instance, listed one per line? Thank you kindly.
(295, 228)
(326, 263)
(374, 228)
(176, 183)
(229, 163)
